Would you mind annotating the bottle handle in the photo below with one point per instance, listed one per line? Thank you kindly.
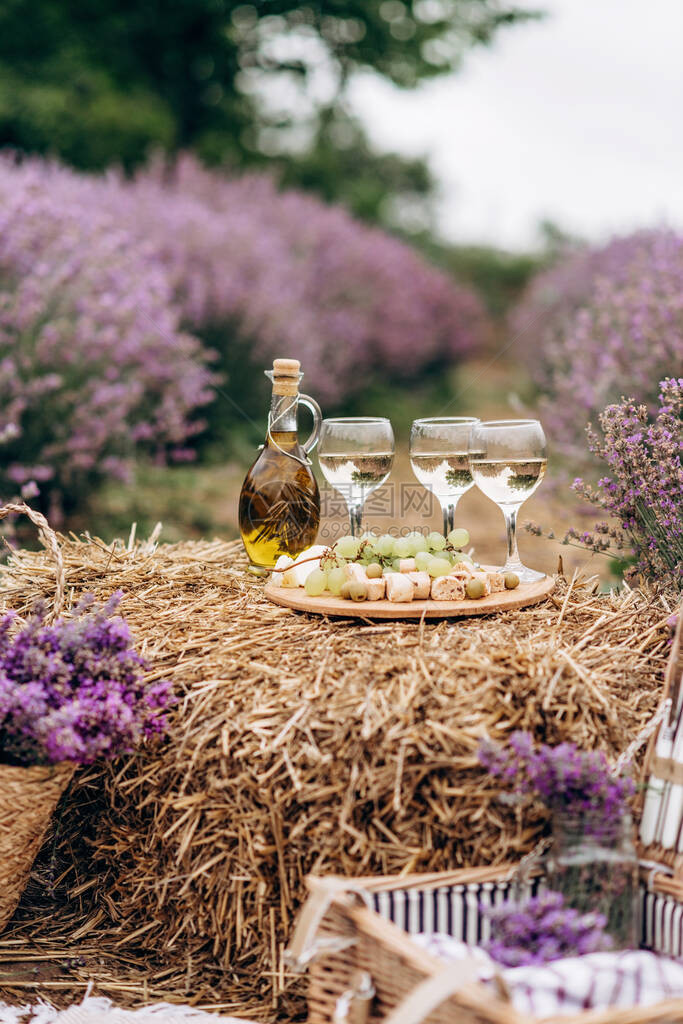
(315, 409)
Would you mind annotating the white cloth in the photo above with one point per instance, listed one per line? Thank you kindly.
(626, 978)
(103, 1011)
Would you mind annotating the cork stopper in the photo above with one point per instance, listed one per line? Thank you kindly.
(286, 376)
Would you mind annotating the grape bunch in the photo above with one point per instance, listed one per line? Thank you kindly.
(433, 553)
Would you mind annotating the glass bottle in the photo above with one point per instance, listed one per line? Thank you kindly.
(593, 863)
(279, 506)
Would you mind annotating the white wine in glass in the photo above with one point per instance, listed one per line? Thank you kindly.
(356, 455)
(508, 459)
(440, 459)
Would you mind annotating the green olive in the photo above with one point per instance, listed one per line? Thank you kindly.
(475, 589)
(511, 580)
(358, 591)
(345, 591)
(373, 571)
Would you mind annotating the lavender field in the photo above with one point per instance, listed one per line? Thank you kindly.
(139, 312)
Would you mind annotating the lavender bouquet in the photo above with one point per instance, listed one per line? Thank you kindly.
(592, 859)
(576, 783)
(74, 690)
(541, 929)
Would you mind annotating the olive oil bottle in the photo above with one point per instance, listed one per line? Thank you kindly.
(279, 508)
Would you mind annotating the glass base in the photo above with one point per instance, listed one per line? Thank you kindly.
(524, 574)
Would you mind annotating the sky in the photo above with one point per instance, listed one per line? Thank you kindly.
(577, 119)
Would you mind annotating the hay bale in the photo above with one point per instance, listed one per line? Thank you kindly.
(300, 745)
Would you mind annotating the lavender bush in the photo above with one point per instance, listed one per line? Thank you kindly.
(101, 277)
(283, 272)
(603, 323)
(94, 366)
(567, 780)
(74, 690)
(643, 490)
(542, 929)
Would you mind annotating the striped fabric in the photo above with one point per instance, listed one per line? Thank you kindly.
(662, 918)
(454, 910)
(630, 977)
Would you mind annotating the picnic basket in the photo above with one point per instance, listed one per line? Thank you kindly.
(28, 796)
(353, 935)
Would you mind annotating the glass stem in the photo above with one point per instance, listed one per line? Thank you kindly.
(355, 517)
(511, 530)
(448, 518)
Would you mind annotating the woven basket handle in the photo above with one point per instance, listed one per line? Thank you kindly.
(48, 539)
(307, 944)
(429, 994)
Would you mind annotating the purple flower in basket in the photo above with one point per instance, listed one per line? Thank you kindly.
(541, 929)
(573, 782)
(75, 690)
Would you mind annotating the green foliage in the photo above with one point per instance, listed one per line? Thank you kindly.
(97, 83)
(498, 276)
(86, 120)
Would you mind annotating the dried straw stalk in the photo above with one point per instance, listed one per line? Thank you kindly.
(299, 745)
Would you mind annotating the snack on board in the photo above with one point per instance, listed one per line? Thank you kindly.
(422, 582)
(448, 588)
(400, 587)
(415, 567)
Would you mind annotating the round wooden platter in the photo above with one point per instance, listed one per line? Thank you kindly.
(297, 599)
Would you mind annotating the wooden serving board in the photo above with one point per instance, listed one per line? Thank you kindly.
(298, 599)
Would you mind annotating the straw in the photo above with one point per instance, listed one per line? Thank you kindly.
(299, 745)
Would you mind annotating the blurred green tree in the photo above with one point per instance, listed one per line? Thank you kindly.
(104, 82)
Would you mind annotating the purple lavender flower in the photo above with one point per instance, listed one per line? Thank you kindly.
(75, 690)
(94, 363)
(576, 783)
(643, 488)
(542, 929)
(603, 323)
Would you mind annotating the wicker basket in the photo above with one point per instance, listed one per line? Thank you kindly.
(28, 796)
(354, 938)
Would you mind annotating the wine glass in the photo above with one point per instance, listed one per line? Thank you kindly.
(356, 455)
(508, 460)
(439, 456)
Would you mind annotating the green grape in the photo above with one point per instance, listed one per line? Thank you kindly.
(459, 538)
(422, 560)
(417, 542)
(436, 541)
(348, 547)
(402, 547)
(396, 565)
(336, 578)
(439, 567)
(385, 545)
(316, 583)
(369, 554)
(374, 571)
(369, 536)
(475, 589)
